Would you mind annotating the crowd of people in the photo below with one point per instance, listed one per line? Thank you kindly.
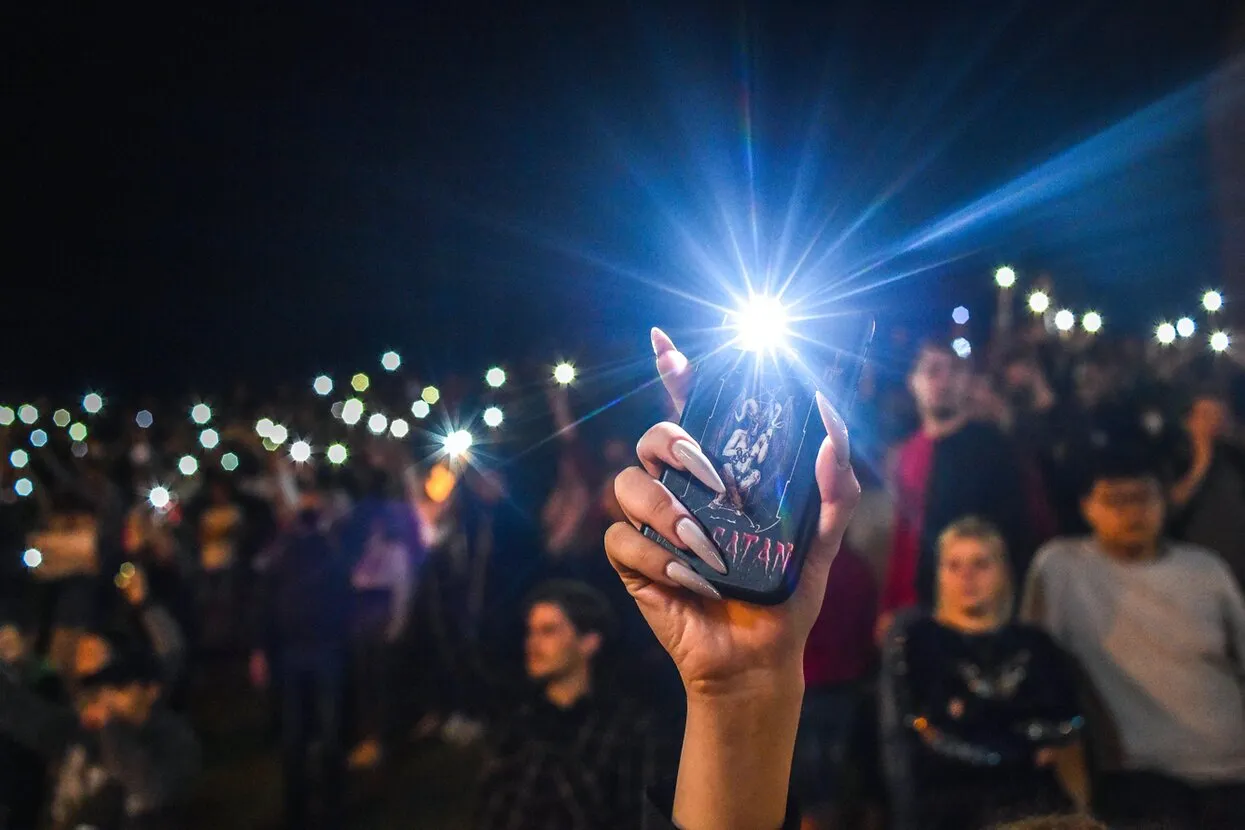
(1037, 610)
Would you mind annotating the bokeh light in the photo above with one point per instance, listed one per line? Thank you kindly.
(495, 377)
(78, 449)
(1005, 277)
(143, 419)
(337, 454)
(61, 418)
(200, 413)
(352, 411)
(962, 347)
(300, 452)
(1092, 322)
(23, 487)
(390, 361)
(457, 443)
(77, 432)
(1165, 333)
(159, 496)
(1212, 301)
(188, 465)
(399, 428)
(278, 434)
(377, 423)
(92, 403)
(7, 415)
(420, 409)
(32, 558)
(263, 427)
(564, 373)
(430, 395)
(1185, 327)
(493, 417)
(209, 439)
(38, 438)
(19, 458)
(336, 409)
(229, 461)
(360, 382)
(1220, 341)
(322, 385)
(1065, 319)
(1039, 302)
(27, 414)
(959, 315)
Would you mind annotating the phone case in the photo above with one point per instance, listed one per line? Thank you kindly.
(756, 419)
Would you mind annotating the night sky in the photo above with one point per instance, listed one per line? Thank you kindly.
(260, 191)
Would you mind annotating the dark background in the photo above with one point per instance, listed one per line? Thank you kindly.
(204, 192)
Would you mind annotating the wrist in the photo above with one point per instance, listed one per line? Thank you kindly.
(756, 688)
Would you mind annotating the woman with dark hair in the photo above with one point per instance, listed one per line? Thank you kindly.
(977, 710)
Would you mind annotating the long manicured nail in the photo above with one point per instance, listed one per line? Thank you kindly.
(698, 464)
(837, 430)
(694, 538)
(692, 581)
(661, 341)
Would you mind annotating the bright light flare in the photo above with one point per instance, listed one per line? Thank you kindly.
(1005, 277)
(92, 403)
(1220, 341)
(495, 377)
(1039, 302)
(390, 361)
(322, 385)
(1185, 327)
(457, 443)
(159, 497)
(1212, 301)
(762, 325)
(564, 373)
(493, 417)
(1092, 322)
(200, 413)
(300, 452)
(1065, 319)
(1165, 333)
(32, 558)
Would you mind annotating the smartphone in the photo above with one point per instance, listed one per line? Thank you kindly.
(755, 417)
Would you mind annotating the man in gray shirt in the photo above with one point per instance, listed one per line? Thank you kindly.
(1158, 628)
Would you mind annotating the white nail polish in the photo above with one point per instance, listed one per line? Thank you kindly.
(683, 575)
(837, 430)
(693, 538)
(698, 464)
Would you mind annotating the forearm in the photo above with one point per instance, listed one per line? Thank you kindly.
(1073, 774)
(736, 761)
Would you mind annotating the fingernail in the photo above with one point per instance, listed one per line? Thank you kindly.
(692, 581)
(698, 464)
(693, 537)
(837, 430)
(661, 341)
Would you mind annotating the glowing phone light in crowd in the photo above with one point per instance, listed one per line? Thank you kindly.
(278, 434)
(493, 417)
(143, 419)
(1220, 341)
(1185, 327)
(420, 409)
(337, 454)
(300, 452)
(38, 438)
(959, 315)
(1005, 277)
(77, 432)
(1092, 322)
(390, 361)
(1039, 302)
(209, 439)
(352, 411)
(32, 558)
(1212, 301)
(92, 403)
(457, 443)
(27, 414)
(61, 418)
(430, 395)
(399, 428)
(1165, 333)
(360, 382)
(564, 373)
(377, 423)
(188, 465)
(200, 413)
(1064, 319)
(159, 497)
(322, 385)
(962, 347)
(23, 487)
(19, 458)
(229, 462)
(495, 377)
(6, 416)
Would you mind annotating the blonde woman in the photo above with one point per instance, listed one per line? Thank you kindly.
(980, 713)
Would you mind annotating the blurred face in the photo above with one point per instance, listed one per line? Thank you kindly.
(12, 645)
(939, 382)
(554, 648)
(1207, 419)
(1126, 512)
(971, 578)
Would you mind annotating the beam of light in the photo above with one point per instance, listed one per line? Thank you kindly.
(1092, 322)
(1185, 327)
(159, 497)
(200, 414)
(1005, 277)
(493, 417)
(1165, 333)
(1039, 302)
(1065, 319)
(1220, 341)
(1212, 301)
(92, 403)
(322, 385)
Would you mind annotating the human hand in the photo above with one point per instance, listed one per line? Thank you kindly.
(720, 647)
